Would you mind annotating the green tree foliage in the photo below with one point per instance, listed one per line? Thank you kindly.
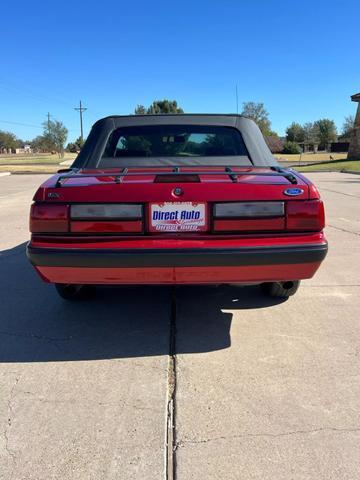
(158, 107)
(292, 148)
(140, 110)
(42, 143)
(56, 133)
(75, 147)
(295, 133)
(258, 113)
(348, 125)
(8, 141)
(309, 132)
(325, 132)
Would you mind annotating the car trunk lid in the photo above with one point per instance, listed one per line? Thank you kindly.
(178, 200)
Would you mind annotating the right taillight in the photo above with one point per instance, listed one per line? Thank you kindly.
(308, 215)
(45, 218)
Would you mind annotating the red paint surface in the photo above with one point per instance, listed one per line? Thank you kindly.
(144, 189)
(181, 241)
(179, 275)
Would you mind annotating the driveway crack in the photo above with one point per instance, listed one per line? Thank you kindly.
(183, 443)
(170, 446)
(343, 230)
(9, 421)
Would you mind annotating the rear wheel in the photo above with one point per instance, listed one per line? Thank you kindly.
(281, 289)
(70, 291)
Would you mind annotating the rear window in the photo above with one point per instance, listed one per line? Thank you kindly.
(173, 141)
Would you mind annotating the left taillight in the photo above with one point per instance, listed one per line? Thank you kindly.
(106, 218)
(45, 218)
(106, 211)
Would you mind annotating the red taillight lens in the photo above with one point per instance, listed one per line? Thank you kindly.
(132, 226)
(46, 218)
(306, 215)
(251, 225)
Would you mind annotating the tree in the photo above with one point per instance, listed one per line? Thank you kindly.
(158, 107)
(348, 125)
(140, 110)
(275, 143)
(259, 114)
(71, 147)
(8, 141)
(79, 142)
(309, 132)
(295, 133)
(75, 147)
(292, 148)
(56, 133)
(42, 143)
(325, 132)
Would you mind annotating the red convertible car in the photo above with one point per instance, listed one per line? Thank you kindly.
(176, 199)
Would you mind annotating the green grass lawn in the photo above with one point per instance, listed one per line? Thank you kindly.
(34, 159)
(45, 168)
(337, 165)
(309, 157)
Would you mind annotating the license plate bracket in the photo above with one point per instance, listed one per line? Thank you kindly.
(172, 217)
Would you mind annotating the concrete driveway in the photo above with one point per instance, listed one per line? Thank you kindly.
(256, 389)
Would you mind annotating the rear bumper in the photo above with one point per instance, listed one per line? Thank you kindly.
(178, 265)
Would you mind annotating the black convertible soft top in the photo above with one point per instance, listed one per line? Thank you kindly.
(93, 149)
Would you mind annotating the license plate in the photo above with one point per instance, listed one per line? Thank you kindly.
(178, 217)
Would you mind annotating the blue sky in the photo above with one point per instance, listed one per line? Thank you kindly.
(301, 58)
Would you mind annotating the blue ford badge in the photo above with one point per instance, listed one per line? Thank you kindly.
(293, 192)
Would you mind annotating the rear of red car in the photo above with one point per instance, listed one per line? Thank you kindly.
(179, 199)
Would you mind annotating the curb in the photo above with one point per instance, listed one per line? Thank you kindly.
(316, 171)
(5, 174)
(32, 173)
(350, 171)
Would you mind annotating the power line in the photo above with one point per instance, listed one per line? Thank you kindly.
(21, 124)
(81, 109)
(31, 93)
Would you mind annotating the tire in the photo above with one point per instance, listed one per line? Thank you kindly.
(281, 289)
(69, 291)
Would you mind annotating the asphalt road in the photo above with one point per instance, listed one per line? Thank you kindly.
(264, 389)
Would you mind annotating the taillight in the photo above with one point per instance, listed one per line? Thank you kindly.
(249, 216)
(106, 211)
(248, 209)
(308, 215)
(45, 218)
(116, 218)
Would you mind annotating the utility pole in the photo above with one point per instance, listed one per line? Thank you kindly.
(237, 100)
(81, 109)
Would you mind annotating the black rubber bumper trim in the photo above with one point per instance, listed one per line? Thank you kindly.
(209, 257)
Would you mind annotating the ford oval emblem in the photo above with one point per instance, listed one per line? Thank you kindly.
(293, 192)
